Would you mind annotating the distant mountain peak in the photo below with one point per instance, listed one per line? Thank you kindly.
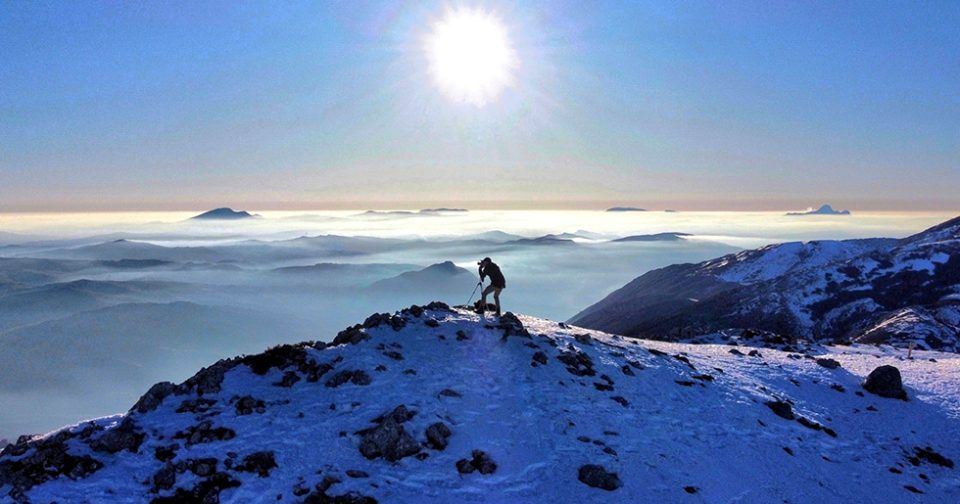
(225, 213)
(626, 209)
(823, 210)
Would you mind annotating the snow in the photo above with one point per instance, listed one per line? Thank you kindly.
(717, 436)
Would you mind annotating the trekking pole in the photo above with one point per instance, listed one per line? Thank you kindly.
(474, 292)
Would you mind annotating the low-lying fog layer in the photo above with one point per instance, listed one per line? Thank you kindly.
(94, 308)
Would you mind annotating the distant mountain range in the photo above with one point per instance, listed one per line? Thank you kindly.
(877, 290)
(625, 209)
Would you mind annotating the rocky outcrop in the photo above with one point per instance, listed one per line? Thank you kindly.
(389, 439)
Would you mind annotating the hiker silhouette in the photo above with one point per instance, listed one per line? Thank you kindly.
(488, 268)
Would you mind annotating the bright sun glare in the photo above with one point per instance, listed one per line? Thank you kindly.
(471, 57)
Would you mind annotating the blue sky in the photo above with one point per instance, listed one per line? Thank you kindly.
(726, 105)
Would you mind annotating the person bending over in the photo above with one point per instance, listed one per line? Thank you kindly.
(497, 283)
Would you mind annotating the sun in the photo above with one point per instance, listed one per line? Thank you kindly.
(470, 56)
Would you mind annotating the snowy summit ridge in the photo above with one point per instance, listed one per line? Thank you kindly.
(433, 404)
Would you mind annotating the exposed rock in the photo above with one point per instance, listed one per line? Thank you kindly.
(49, 459)
(389, 439)
(203, 467)
(351, 335)
(204, 432)
(165, 478)
(461, 335)
(437, 435)
(375, 320)
(885, 381)
(157, 393)
(206, 491)
(540, 357)
(288, 380)
(929, 455)
(597, 477)
(431, 323)
(578, 363)
(828, 363)
(125, 436)
(450, 393)
(166, 453)
(208, 379)
(260, 462)
(280, 357)
(247, 405)
(479, 461)
(512, 326)
(197, 405)
(583, 339)
(782, 409)
(321, 497)
(356, 377)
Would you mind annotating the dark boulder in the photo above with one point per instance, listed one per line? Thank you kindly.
(479, 461)
(597, 477)
(885, 381)
(540, 357)
(260, 462)
(247, 405)
(204, 432)
(828, 363)
(165, 478)
(511, 326)
(389, 439)
(354, 376)
(782, 409)
(437, 435)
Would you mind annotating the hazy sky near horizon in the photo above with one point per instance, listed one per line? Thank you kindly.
(293, 105)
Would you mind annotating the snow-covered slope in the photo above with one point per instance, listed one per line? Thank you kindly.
(822, 289)
(440, 405)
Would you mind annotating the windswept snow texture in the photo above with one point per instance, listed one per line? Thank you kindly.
(878, 290)
(650, 421)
